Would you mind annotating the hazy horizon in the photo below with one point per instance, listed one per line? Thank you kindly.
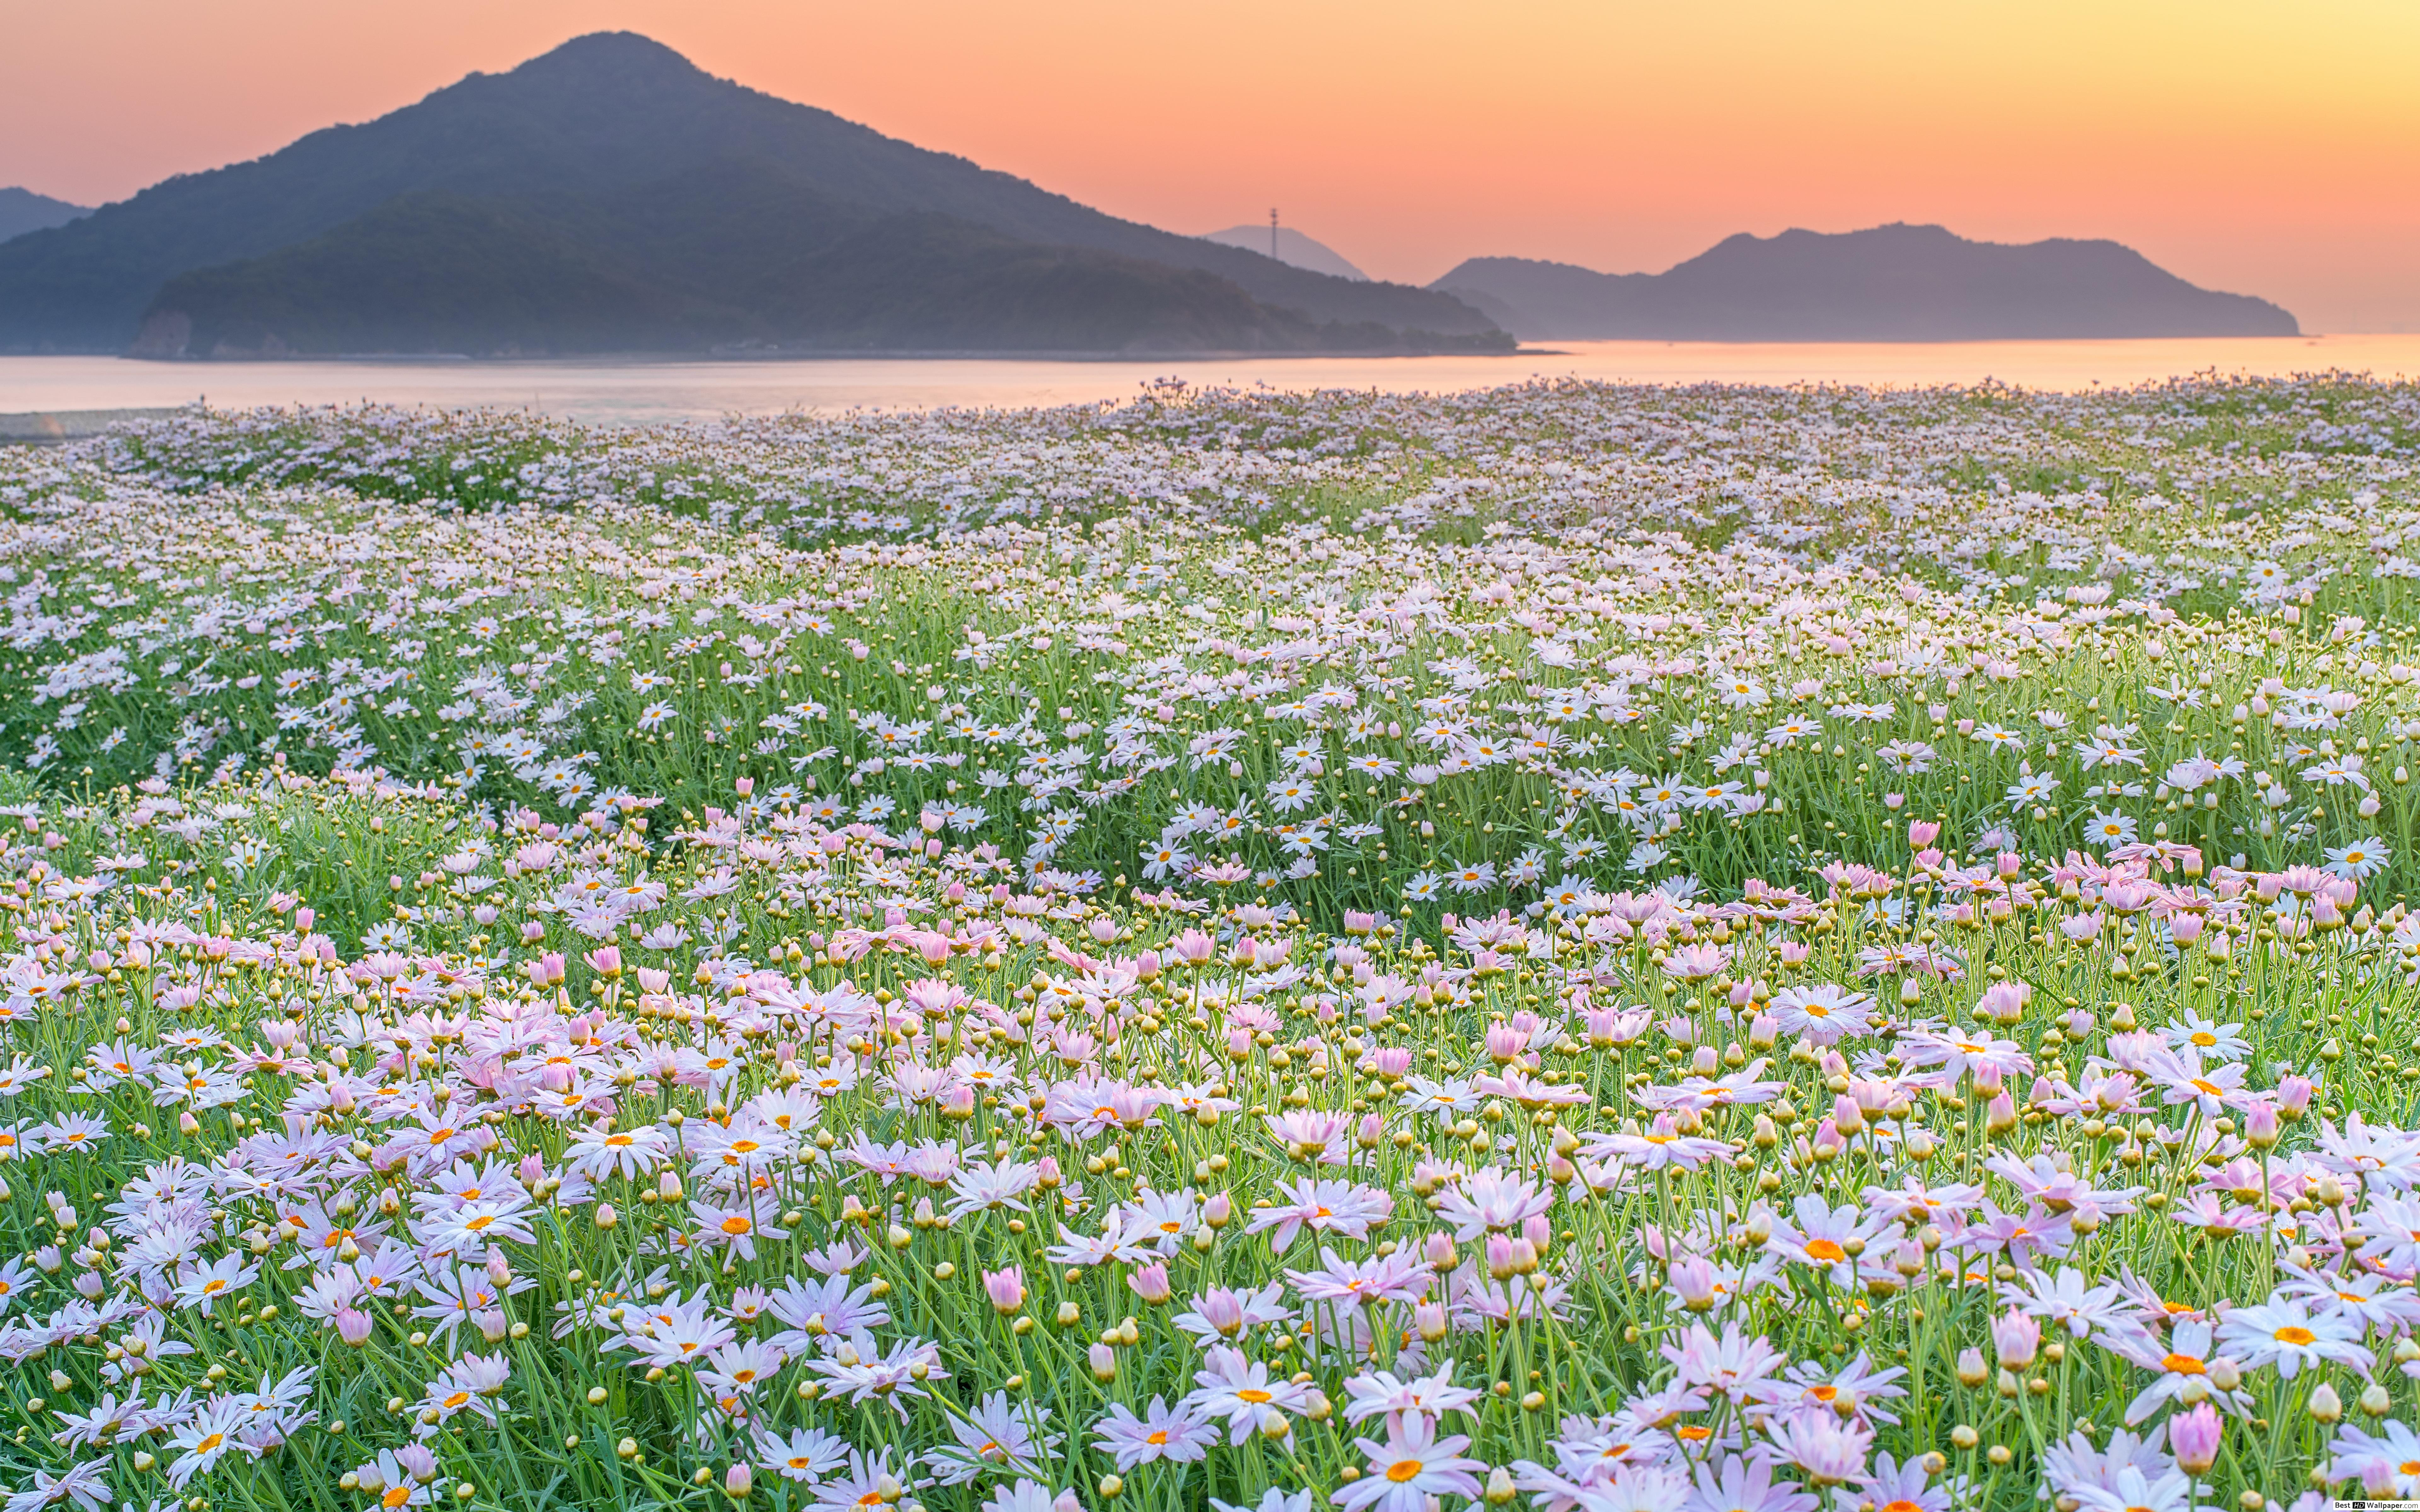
(2245, 148)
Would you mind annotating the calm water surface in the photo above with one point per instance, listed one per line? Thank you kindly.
(637, 391)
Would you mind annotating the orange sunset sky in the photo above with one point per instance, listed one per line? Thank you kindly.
(2267, 148)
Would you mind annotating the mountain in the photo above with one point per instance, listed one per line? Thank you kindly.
(1892, 283)
(665, 267)
(602, 116)
(1295, 250)
(22, 210)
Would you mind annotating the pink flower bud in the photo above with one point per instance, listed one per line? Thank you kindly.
(1439, 1250)
(2001, 1116)
(418, 1460)
(2004, 1001)
(1149, 1283)
(353, 1326)
(1218, 1210)
(1006, 1288)
(2193, 1436)
(1222, 1310)
(740, 1480)
(2294, 1096)
(1538, 1232)
(2015, 1337)
(1693, 1281)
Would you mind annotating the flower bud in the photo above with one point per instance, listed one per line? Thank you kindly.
(1149, 1283)
(1693, 1281)
(1006, 1290)
(2194, 1438)
(2001, 1116)
(2016, 1336)
(419, 1461)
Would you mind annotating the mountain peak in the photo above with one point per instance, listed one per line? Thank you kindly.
(607, 57)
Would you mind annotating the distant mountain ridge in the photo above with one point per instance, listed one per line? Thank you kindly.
(1294, 249)
(1890, 283)
(588, 134)
(22, 210)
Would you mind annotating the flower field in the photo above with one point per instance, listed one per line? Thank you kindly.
(1577, 948)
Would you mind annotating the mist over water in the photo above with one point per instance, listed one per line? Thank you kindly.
(636, 392)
